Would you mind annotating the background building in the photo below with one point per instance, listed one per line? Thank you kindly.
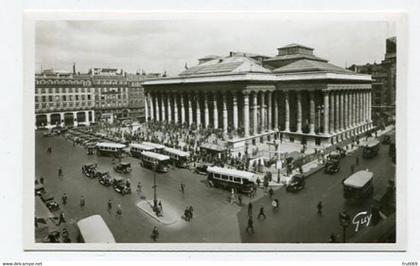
(383, 85)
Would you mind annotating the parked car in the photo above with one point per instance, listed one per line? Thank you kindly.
(105, 178)
(332, 166)
(90, 170)
(49, 201)
(296, 184)
(123, 168)
(122, 186)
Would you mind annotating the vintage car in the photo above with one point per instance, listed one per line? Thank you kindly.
(49, 201)
(297, 183)
(123, 168)
(90, 170)
(122, 186)
(39, 188)
(105, 178)
(332, 166)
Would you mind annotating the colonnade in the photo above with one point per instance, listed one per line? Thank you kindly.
(326, 112)
(61, 121)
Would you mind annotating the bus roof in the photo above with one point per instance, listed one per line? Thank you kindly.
(232, 172)
(155, 155)
(372, 143)
(177, 152)
(155, 145)
(142, 146)
(110, 145)
(94, 230)
(358, 179)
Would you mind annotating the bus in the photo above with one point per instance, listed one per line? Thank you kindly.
(242, 181)
(358, 186)
(109, 149)
(158, 147)
(93, 229)
(151, 160)
(371, 148)
(136, 149)
(178, 157)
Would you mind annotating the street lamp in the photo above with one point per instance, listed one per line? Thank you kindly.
(155, 203)
(344, 220)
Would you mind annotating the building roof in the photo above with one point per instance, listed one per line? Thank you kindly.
(305, 65)
(295, 57)
(296, 45)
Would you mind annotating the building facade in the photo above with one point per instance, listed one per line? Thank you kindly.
(384, 83)
(70, 99)
(250, 97)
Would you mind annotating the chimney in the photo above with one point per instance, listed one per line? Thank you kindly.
(74, 68)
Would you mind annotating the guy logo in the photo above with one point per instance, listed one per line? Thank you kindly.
(362, 218)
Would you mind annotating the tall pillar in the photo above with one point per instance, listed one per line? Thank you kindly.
(175, 108)
(351, 109)
(75, 122)
(276, 110)
(332, 113)
(169, 109)
(246, 114)
(190, 116)
(163, 100)
(337, 110)
(152, 108)
(146, 107)
(346, 110)
(254, 113)
(206, 111)
(198, 109)
(326, 112)
(262, 111)
(370, 106)
(311, 112)
(269, 111)
(215, 113)
(225, 113)
(366, 106)
(62, 118)
(235, 110)
(341, 110)
(359, 106)
(299, 112)
(48, 119)
(287, 111)
(87, 118)
(182, 109)
(157, 108)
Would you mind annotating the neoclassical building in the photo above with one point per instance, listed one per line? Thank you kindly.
(251, 97)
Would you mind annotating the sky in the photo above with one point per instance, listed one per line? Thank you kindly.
(167, 45)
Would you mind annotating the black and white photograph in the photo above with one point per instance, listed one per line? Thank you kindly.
(232, 131)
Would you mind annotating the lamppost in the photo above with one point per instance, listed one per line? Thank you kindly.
(155, 204)
(344, 220)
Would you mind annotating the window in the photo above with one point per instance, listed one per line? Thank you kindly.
(50, 90)
(88, 97)
(77, 97)
(57, 98)
(237, 179)
(64, 98)
(44, 98)
(50, 98)
(36, 99)
(70, 90)
(43, 90)
(57, 90)
(83, 97)
(70, 97)
(224, 177)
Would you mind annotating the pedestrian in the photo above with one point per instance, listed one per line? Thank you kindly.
(319, 208)
(187, 214)
(271, 192)
(190, 209)
(109, 205)
(41, 180)
(333, 238)
(261, 213)
(155, 234)
(258, 182)
(352, 168)
(139, 187)
(65, 236)
(61, 219)
(357, 160)
(249, 209)
(119, 210)
(60, 172)
(240, 200)
(250, 226)
(182, 188)
(160, 206)
(82, 201)
(275, 203)
(64, 199)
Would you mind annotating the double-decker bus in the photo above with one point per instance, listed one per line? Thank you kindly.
(178, 157)
(136, 149)
(371, 148)
(242, 181)
(155, 161)
(109, 149)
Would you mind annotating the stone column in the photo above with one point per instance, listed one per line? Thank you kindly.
(163, 118)
(366, 106)
(254, 113)
(182, 109)
(276, 110)
(48, 119)
(152, 108)
(87, 123)
(169, 110)
(175, 108)
(262, 111)
(269, 111)
(225, 113)
(351, 108)
(190, 111)
(235, 110)
(332, 113)
(206, 111)
(75, 122)
(337, 110)
(246, 114)
(299, 112)
(341, 110)
(311, 112)
(62, 118)
(198, 109)
(286, 112)
(146, 106)
(359, 107)
(346, 110)
(215, 113)
(157, 108)
(326, 112)
(370, 106)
